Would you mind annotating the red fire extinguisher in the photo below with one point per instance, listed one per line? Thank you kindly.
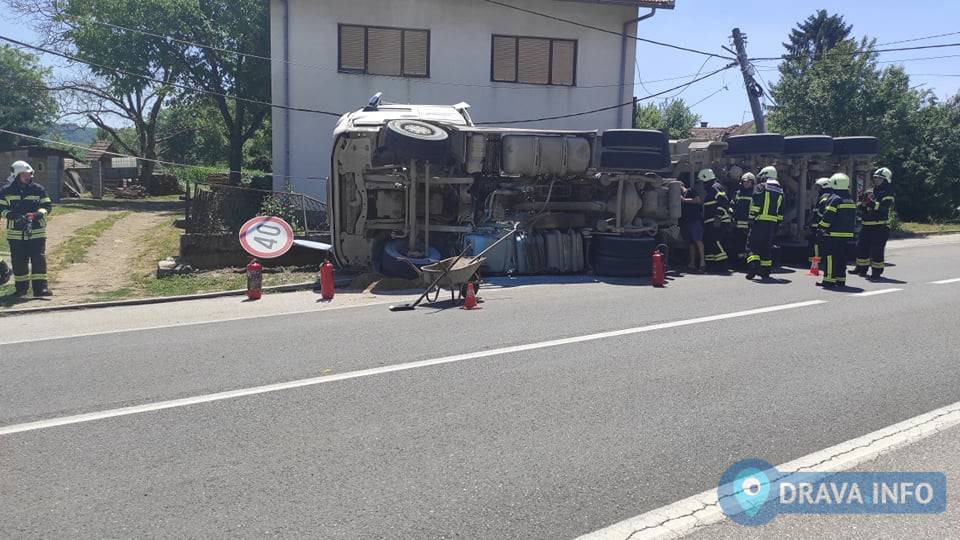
(326, 281)
(659, 272)
(254, 280)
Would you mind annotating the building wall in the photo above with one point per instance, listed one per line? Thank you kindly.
(460, 50)
(39, 164)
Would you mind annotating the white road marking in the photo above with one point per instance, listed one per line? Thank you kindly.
(191, 323)
(945, 281)
(243, 392)
(693, 513)
(875, 293)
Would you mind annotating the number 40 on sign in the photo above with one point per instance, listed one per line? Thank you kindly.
(266, 237)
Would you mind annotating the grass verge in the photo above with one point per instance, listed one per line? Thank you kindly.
(163, 241)
(914, 228)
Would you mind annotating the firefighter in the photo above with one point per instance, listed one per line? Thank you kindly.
(838, 225)
(25, 205)
(823, 187)
(715, 214)
(765, 218)
(875, 210)
(741, 218)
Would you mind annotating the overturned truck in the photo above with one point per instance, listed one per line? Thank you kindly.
(411, 184)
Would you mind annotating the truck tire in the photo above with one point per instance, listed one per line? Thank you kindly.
(757, 143)
(808, 144)
(413, 139)
(621, 160)
(618, 267)
(393, 263)
(650, 139)
(623, 247)
(856, 146)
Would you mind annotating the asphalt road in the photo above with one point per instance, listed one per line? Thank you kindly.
(544, 440)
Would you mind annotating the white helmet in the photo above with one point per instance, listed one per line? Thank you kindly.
(823, 183)
(884, 173)
(768, 173)
(749, 177)
(706, 175)
(20, 167)
(840, 182)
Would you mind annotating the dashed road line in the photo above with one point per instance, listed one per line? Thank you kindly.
(876, 293)
(245, 392)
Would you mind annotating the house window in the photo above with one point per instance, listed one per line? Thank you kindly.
(534, 60)
(377, 50)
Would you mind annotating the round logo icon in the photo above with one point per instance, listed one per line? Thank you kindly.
(266, 237)
(745, 492)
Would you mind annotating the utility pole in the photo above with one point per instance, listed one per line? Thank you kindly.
(754, 91)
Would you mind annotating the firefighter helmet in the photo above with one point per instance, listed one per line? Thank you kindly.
(823, 183)
(749, 177)
(884, 173)
(840, 182)
(20, 167)
(768, 172)
(706, 175)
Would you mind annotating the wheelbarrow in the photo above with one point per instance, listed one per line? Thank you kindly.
(453, 274)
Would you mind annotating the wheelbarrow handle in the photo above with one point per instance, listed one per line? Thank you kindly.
(502, 238)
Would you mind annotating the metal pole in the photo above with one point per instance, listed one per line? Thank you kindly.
(412, 210)
(753, 89)
(426, 210)
(303, 206)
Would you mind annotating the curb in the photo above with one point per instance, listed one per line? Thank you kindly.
(164, 299)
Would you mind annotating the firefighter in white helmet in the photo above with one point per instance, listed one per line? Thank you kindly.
(823, 187)
(838, 225)
(766, 217)
(875, 212)
(25, 206)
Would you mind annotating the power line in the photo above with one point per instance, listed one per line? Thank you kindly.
(611, 107)
(919, 39)
(156, 161)
(699, 71)
(316, 67)
(604, 30)
(710, 96)
(855, 53)
(934, 74)
(167, 83)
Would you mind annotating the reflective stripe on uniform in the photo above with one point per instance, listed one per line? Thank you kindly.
(21, 279)
(878, 266)
(863, 262)
(839, 234)
(766, 264)
(753, 258)
(38, 277)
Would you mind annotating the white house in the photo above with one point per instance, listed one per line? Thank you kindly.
(332, 55)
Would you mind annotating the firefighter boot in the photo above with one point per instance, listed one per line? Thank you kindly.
(875, 273)
(40, 289)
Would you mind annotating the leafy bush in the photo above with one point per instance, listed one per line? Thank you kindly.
(286, 205)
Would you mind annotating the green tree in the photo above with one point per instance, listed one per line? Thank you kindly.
(671, 115)
(125, 66)
(25, 105)
(232, 25)
(193, 133)
(814, 36)
(838, 89)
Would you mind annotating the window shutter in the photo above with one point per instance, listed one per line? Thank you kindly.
(383, 58)
(416, 53)
(564, 60)
(534, 61)
(352, 47)
(504, 59)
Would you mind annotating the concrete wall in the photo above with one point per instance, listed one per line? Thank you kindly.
(460, 34)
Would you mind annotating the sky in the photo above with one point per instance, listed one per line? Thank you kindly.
(707, 25)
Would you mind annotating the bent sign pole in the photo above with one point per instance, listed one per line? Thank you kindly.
(266, 237)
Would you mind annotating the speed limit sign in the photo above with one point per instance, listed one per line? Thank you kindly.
(266, 237)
